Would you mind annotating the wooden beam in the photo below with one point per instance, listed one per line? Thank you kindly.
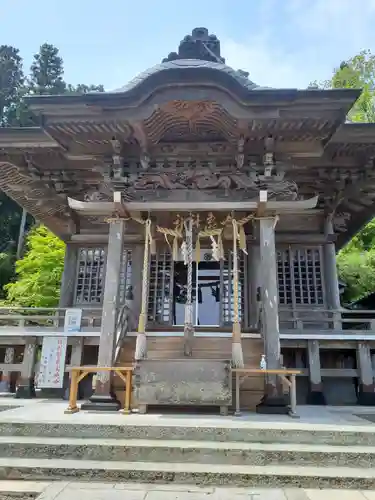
(208, 206)
(82, 157)
(119, 207)
(262, 203)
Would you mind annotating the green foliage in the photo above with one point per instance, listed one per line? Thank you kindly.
(11, 81)
(38, 272)
(356, 73)
(7, 271)
(356, 262)
(10, 218)
(81, 88)
(356, 269)
(46, 77)
(47, 71)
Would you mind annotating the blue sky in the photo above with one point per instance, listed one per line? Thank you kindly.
(282, 43)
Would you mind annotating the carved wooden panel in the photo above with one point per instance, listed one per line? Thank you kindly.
(299, 275)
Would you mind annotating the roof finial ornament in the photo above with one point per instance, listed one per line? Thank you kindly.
(198, 45)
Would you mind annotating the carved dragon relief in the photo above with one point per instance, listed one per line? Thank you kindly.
(193, 183)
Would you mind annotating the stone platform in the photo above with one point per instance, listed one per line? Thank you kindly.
(325, 448)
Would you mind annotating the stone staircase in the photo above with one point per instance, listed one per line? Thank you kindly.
(231, 452)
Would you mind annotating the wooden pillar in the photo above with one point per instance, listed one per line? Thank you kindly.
(272, 401)
(254, 287)
(315, 395)
(103, 399)
(330, 269)
(76, 360)
(21, 234)
(26, 387)
(366, 395)
(68, 279)
(8, 360)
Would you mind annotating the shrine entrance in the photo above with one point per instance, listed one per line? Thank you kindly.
(209, 278)
(208, 293)
(212, 287)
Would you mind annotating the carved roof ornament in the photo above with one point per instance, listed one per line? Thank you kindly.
(198, 45)
(240, 157)
(116, 147)
(203, 181)
(269, 156)
(340, 221)
(190, 110)
(196, 50)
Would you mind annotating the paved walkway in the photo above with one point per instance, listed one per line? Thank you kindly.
(131, 491)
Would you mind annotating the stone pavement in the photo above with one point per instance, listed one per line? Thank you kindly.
(132, 491)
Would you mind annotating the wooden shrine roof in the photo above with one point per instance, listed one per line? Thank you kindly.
(187, 111)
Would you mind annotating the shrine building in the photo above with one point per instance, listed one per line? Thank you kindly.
(202, 214)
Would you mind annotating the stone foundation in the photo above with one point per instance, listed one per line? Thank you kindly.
(26, 389)
(366, 395)
(316, 395)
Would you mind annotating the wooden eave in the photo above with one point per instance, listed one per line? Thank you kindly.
(25, 138)
(290, 101)
(85, 124)
(353, 139)
(18, 146)
(355, 133)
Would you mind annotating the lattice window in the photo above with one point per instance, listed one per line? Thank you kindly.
(284, 277)
(125, 276)
(90, 276)
(160, 288)
(227, 279)
(299, 275)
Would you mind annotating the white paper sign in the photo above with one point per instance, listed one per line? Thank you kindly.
(73, 318)
(52, 363)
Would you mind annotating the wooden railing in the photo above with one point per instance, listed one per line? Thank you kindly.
(24, 320)
(346, 321)
(243, 373)
(80, 372)
(45, 317)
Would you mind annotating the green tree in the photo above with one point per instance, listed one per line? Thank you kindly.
(356, 268)
(10, 219)
(357, 72)
(11, 82)
(7, 271)
(38, 272)
(81, 88)
(356, 261)
(47, 71)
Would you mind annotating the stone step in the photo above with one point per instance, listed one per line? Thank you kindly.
(142, 450)
(196, 429)
(198, 474)
(25, 490)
